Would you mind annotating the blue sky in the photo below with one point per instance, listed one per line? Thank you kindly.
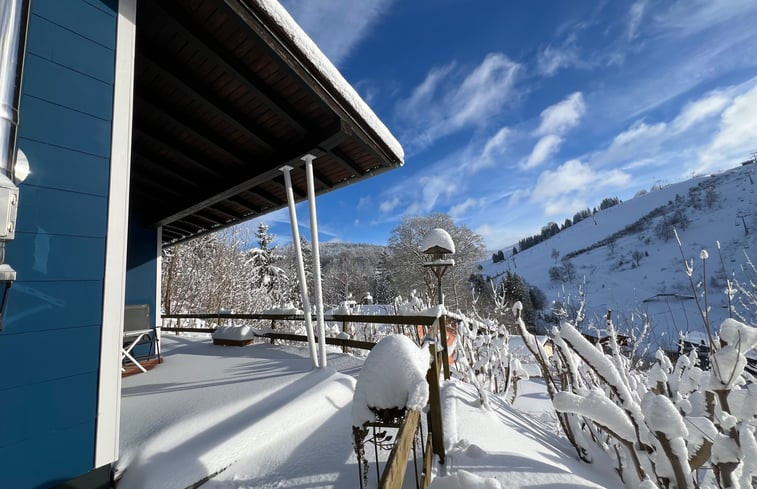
(513, 114)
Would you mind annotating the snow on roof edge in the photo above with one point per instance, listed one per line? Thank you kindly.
(306, 45)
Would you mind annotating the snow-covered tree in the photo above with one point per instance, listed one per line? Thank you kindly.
(406, 264)
(264, 264)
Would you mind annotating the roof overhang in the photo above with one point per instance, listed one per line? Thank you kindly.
(226, 93)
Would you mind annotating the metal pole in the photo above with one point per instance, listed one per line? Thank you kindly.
(308, 159)
(300, 265)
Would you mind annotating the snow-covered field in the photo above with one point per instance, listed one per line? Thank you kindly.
(612, 279)
(261, 417)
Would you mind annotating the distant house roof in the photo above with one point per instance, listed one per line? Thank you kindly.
(225, 93)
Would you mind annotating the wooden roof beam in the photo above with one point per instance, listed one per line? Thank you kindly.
(195, 35)
(143, 180)
(263, 195)
(344, 162)
(150, 103)
(229, 217)
(265, 174)
(184, 227)
(161, 170)
(199, 217)
(167, 68)
(185, 158)
(243, 204)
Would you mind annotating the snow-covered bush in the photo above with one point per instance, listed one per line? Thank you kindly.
(483, 359)
(675, 425)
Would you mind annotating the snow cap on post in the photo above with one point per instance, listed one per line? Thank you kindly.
(437, 241)
(393, 376)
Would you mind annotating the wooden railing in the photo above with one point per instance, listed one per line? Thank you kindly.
(396, 466)
(394, 472)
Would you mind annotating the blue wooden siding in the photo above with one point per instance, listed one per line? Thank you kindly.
(141, 268)
(50, 347)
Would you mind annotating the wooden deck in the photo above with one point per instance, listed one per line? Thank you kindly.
(131, 369)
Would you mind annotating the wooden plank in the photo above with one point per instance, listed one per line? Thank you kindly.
(193, 33)
(131, 369)
(396, 465)
(363, 345)
(445, 352)
(428, 458)
(352, 318)
(68, 48)
(223, 342)
(65, 128)
(178, 75)
(149, 103)
(435, 406)
(188, 330)
(64, 167)
(154, 138)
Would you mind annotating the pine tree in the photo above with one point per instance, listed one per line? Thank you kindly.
(266, 274)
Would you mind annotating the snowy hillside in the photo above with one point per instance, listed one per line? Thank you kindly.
(630, 262)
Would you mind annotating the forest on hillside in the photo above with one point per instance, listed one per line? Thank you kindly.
(222, 271)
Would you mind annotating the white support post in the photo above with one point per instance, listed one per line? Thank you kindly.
(300, 265)
(114, 282)
(308, 159)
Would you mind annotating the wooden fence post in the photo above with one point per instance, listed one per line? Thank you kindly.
(445, 357)
(346, 330)
(434, 418)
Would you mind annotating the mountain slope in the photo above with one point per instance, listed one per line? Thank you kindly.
(629, 261)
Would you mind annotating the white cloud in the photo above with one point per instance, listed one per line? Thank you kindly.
(550, 60)
(432, 188)
(699, 110)
(355, 20)
(564, 204)
(494, 148)
(388, 206)
(687, 17)
(445, 184)
(574, 176)
(556, 120)
(697, 139)
(459, 210)
(639, 131)
(563, 116)
(635, 14)
(735, 139)
(449, 100)
(544, 149)
(364, 202)
(496, 144)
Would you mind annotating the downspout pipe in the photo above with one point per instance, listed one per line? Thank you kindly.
(14, 21)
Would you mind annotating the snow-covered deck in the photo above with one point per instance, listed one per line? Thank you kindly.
(261, 417)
